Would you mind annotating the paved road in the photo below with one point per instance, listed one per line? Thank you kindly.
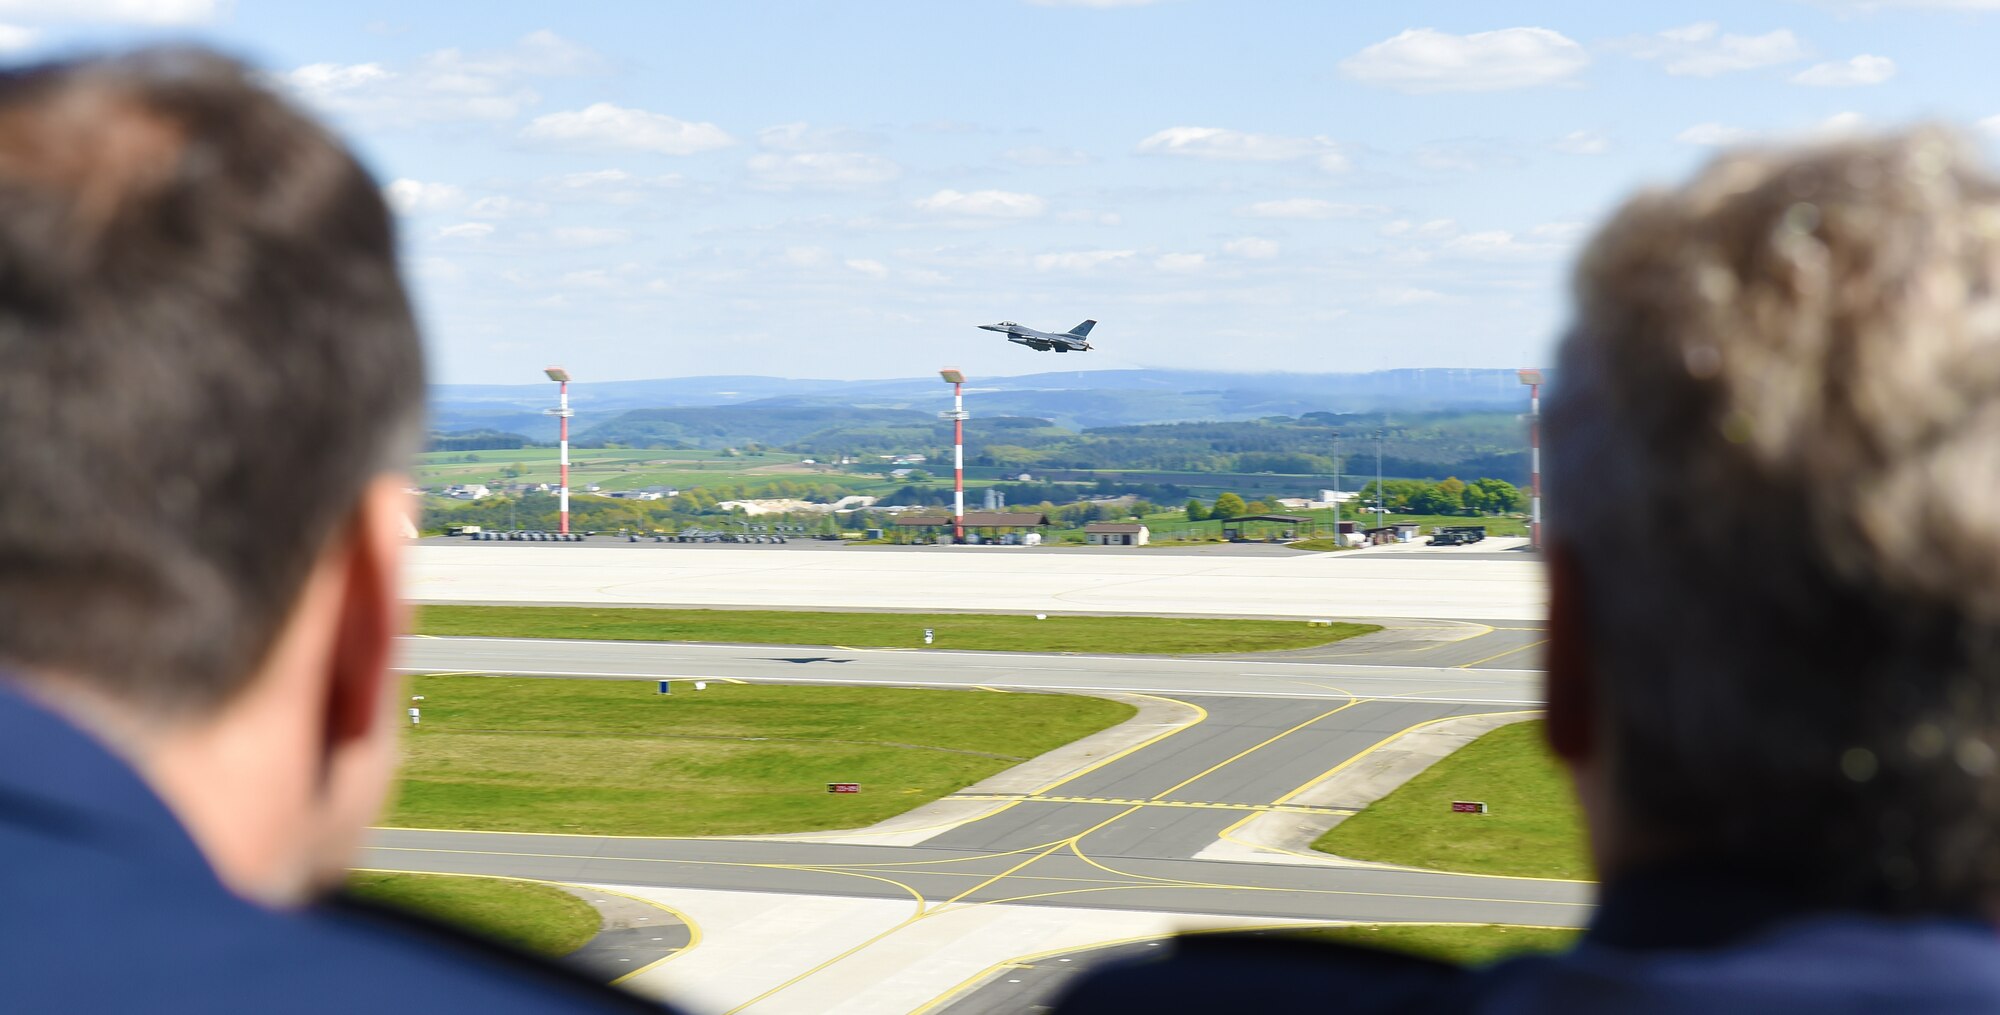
(1405, 582)
(1396, 670)
(1122, 836)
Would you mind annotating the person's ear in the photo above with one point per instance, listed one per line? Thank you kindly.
(371, 616)
(1568, 683)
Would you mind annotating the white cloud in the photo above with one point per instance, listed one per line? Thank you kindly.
(1310, 208)
(602, 125)
(325, 80)
(443, 86)
(1041, 156)
(1461, 156)
(1843, 123)
(139, 12)
(807, 257)
(14, 38)
(1859, 70)
(1080, 260)
(1180, 263)
(1703, 50)
(1714, 135)
(1541, 242)
(588, 278)
(1495, 244)
(1255, 248)
(434, 269)
(823, 169)
(1410, 296)
(500, 206)
(615, 179)
(1085, 216)
(803, 137)
(466, 231)
(588, 236)
(1560, 232)
(1222, 144)
(1990, 126)
(1582, 142)
(1426, 60)
(1430, 229)
(413, 197)
(615, 186)
(998, 204)
(870, 268)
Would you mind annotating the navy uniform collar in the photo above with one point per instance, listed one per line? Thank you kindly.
(57, 781)
(1699, 904)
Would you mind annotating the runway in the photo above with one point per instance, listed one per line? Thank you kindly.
(1297, 676)
(1396, 582)
(1122, 837)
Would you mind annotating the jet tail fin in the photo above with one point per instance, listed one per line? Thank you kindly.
(1083, 330)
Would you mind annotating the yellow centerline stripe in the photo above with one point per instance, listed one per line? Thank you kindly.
(1239, 755)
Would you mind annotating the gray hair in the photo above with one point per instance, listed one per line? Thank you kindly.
(1774, 440)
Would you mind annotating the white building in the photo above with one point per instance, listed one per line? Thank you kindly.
(1116, 534)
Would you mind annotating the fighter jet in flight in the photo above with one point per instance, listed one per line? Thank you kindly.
(1073, 340)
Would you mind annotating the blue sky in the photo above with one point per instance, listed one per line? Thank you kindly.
(843, 189)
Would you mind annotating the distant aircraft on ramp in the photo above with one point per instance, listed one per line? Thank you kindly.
(1073, 340)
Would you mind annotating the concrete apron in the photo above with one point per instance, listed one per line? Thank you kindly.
(772, 954)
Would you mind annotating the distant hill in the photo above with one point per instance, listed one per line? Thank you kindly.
(1072, 399)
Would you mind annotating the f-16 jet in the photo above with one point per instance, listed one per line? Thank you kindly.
(1073, 340)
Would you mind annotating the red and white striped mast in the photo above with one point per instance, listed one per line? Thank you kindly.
(562, 414)
(957, 415)
(1533, 379)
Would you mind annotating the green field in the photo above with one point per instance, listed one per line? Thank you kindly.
(532, 917)
(626, 469)
(613, 757)
(1533, 828)
(983, 632)
(1465, 945)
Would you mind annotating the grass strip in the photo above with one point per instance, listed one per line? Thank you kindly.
(537, 918)
(971, 631)
(1474, 945)
(1532, 828)
(614, 757)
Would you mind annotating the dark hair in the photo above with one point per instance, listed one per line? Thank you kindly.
(206, 354)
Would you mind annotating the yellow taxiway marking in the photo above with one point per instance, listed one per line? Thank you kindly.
(1201, 714)
(1502, 655)
(1121, 801)
(1239, 755)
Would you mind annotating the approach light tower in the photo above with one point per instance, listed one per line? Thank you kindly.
(1533, 379)
(562, 414)
(958, 416)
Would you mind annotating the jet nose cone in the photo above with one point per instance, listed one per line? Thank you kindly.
(991, 327)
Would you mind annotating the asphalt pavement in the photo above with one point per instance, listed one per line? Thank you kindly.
(1118, 836)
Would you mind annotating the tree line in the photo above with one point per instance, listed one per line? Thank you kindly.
(1448, 496)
